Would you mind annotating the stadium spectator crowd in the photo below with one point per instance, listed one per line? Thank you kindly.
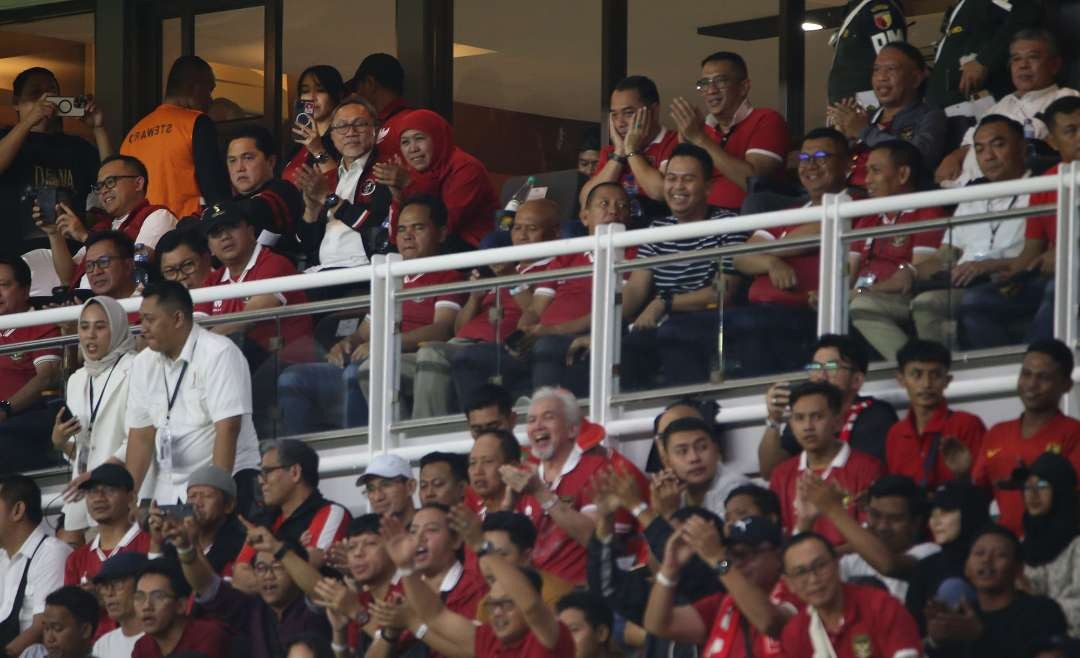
(189, 527)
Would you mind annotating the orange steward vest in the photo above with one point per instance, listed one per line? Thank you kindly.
(162, 141)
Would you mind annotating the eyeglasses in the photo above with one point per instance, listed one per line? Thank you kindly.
(185, 268)
(827, 366)
(816, 567)
(717, 81)
(100, 263)
(108, 183)
(499, 605)
(156, 598)
(1037, 486)
(265, 471)
(817, 157)
(357, 126)
(263, 568)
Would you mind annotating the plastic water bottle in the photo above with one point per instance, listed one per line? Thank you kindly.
(522, 195)
(1029, 129)
(142, 265)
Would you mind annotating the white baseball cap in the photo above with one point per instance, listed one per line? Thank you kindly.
(387, 466)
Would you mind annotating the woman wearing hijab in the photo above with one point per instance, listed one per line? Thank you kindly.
(435, 166)
(1051, 546)
(322, 88)
(95, 431)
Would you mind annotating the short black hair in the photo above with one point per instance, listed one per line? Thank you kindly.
(168, 568)
(171, 294)
(386, 69)
(597, 612)
(694, 151)
(684, 513)
(294, 452)
(849, 348)
(803, 537)
(125, 246)
(131, 161)
(1058, 352)
(82, 605)
(727, 56)
(329, 78)
(599, 186)
(19, 269)
(508, 444)
(1011, 124)
(186, 72)
(909, 51)
(193, 239)
(901, 486)
(490, 395)
(264, 141)
(687, 424)
(436, 208)
(1037, 34)
(18, 87)
(926, 351)
(590, 140)
(833, 397)
(22, 489)
(833, 135)
(517, 526)
(1000, 531)
(766, 499)
(1064, 105)
(644, 86)
(905, 154)
(365, 524)
(459, 464)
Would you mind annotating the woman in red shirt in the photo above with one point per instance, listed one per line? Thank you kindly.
(322, 85)
(435, 166)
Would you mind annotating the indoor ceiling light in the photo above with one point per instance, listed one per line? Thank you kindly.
(465, 50)
(810, 26)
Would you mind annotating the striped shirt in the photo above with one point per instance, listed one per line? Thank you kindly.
(688, 276)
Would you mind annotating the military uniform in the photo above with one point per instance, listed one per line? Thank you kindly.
(868, 25)
(981, 29)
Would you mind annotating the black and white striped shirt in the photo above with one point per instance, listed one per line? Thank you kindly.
(688, 276)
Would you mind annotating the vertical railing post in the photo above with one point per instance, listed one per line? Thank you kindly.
(606, 326)
(832, 307)
(1066, 266)
(381, 355)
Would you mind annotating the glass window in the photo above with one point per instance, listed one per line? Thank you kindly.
(232, 43)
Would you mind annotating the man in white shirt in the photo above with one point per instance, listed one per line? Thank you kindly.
(976, 253)
(31, 564)
(1034, 62)
(693, 454)
(116, 587)
(189, 402)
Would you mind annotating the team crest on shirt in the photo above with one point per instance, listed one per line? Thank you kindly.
(899, 240)
(368, 188)
(1054, 448)
(16, 356)
(883, 21)
(217, 305)
(860, 646)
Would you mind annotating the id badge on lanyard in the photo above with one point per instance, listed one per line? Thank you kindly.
(164, 448)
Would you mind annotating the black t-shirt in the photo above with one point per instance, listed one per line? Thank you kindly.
(57, 159)
(1008, 632)
(868, 435)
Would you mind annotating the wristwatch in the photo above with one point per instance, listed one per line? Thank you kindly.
(331, 201)
(5, 406)
(722, 567)
(622, 159)
(484, 549)
(319, 158)
(667, 296)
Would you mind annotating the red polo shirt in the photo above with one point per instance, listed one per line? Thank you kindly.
(883, 256)
(724, 620)
(762, 290)
(1043, 227)
(572, 297)
(18, 368)
(203, 636)
(907, 451)
(1004, 448)
(875, 625)
(556, 551)
(416, 313)
(851, 470)
(295, 331)
(355, 629)
(760, 132)
(85, 561)
(487, 645)
(480, 327)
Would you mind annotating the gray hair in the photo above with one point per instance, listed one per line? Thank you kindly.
(1037, 34)
(571, 410)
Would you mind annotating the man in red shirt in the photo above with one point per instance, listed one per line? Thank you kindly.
(161, 600)
(922, 445)
(444, 477)
(1045, 377)
(816, 414)
(640, 147)
(887, 268)
(109, 497)
(521, 625)
(783, 295)
(847, 621)
(743, 141)
(26, 419)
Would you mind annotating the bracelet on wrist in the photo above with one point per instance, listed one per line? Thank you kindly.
(550, 503)
(773, 424)
(639, 509)
(338, 648)
(184, 552)
(664, 580)
(421, 631)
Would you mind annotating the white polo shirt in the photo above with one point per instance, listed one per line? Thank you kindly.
(216, 386)
(46, 574)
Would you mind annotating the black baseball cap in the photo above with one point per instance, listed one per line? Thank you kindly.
(223, 214)
(754, 531)
(113, 475)
(121, 565)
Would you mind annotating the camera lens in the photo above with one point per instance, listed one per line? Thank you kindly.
(64, 106)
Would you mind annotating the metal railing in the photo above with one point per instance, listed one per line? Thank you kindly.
(385, 275)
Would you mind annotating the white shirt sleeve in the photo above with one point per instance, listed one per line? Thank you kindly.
(138, 414)
(156, 224)
(228, 377)
(46, 573)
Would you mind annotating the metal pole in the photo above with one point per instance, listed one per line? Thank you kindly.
(831, 285)
(1066, 267)
(380, 355)
(605, 325)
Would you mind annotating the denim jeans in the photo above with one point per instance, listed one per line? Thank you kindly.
(684, 347)
(316, 397)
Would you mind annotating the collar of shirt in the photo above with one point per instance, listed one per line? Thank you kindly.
(569, 465)
(839, 461)
(536, 264)
(937, 419)
(842, 197)
(392, 108)
(30, 544)
(659, 136)
(452, 577)
(226, 277)
(745, 109)
(187, 353)
(1034, 97)
(357, 165)
(901, 112)
(128, 537)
